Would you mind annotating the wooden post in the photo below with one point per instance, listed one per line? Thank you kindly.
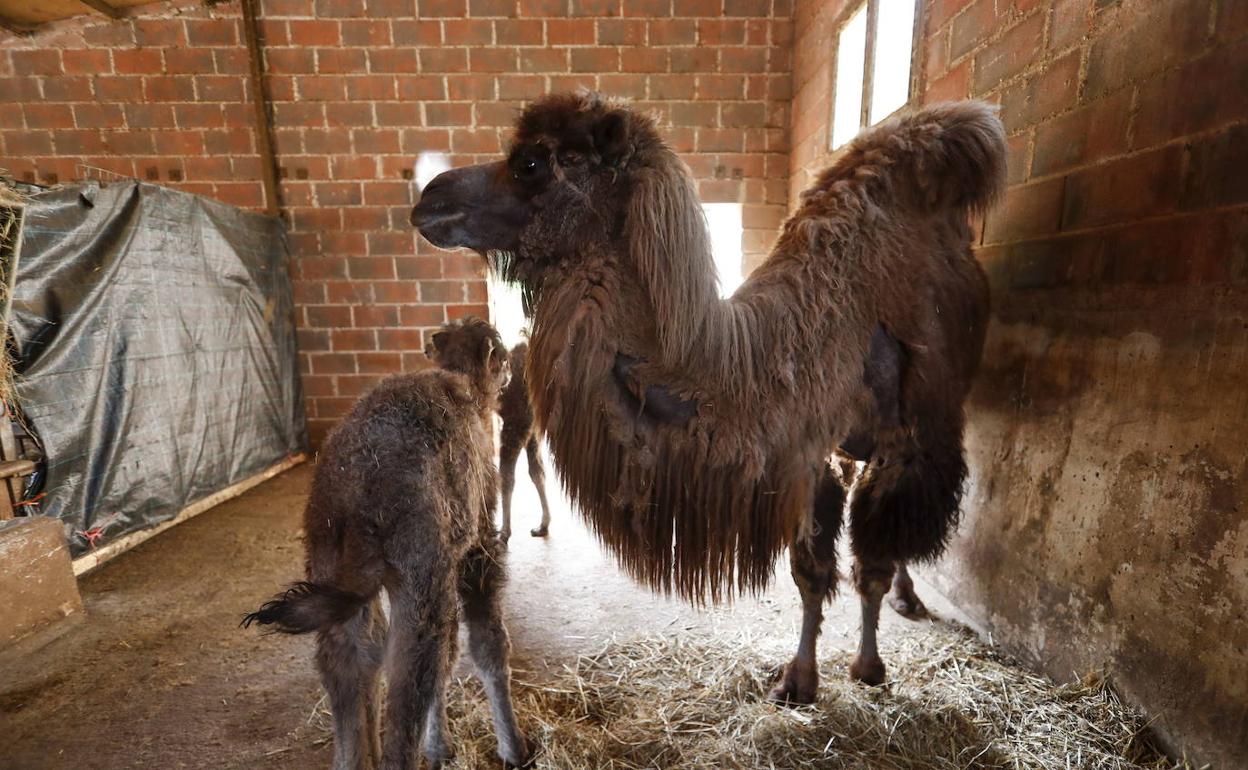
(264, 134)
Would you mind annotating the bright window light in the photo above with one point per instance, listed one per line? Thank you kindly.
(507, 311)
(894, 40)
(724, 221)
(851, 58)
(429, 165)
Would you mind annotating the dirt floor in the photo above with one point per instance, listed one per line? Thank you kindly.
(159, 675)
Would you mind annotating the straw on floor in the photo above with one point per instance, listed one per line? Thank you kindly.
(697, 702)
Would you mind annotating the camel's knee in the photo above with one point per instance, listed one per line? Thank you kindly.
(872, 579)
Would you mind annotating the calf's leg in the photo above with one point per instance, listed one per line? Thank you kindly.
(537, 472)
(508, 454)
(903, 598)
(480, 585)
(348, 657)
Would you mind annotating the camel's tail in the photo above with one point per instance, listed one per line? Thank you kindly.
(946, 156)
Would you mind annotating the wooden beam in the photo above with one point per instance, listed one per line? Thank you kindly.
(103, 7)
(92, 559)
(16, 27)
(264, 134)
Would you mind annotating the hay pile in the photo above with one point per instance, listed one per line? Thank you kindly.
(696, 702)
(11, 203)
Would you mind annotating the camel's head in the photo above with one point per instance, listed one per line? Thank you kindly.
(564, 185)
(473, 348)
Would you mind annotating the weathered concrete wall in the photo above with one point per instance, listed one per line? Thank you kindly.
(1106, 522)
(36, 580)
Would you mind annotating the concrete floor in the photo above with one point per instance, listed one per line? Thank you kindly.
(159, 675)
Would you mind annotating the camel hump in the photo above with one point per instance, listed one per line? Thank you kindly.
(948, 155)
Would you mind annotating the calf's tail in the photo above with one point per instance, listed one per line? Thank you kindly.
(307, 607)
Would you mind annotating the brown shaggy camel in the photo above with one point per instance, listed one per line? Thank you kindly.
(519, 432)
(693, 432)
(404, 499)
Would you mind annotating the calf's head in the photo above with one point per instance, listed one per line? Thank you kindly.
(473, 348)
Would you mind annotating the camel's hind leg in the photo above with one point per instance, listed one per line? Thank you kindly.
(537, 472)
(813, 563)
(903, 509)
(348, 657)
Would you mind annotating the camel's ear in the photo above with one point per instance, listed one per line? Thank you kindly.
(610, 136)
(438, 338)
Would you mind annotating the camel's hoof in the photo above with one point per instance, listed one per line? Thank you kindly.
(794, 689)
(521, 758)
(867, 671)
(539, 532)
(909, 607)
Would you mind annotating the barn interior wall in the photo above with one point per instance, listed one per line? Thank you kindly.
(1106, 520)
(362, 89)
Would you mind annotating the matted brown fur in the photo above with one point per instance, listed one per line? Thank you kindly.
(616, 261)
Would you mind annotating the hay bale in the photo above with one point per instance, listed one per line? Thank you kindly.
(697, 702)
(12, 208)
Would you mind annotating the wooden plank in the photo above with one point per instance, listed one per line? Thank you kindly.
(102, 7)
(264, 135)
(91, 560)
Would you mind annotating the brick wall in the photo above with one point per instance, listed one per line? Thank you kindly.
(1107, 514)
(359, 88)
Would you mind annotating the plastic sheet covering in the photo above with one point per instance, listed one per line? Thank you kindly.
(155, 352)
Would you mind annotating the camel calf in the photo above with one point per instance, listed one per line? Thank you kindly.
(519, 432)
(403, 499)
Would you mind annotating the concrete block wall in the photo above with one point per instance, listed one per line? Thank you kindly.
(359, 89)
(1106, 520)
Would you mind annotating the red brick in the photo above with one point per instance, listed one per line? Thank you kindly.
(422, 315)
(1215, 176)
(375, 315)
(673, 87)
(340, 8)
(48, 116)
(331, 317)
(139, 61)
(290, 61)
(1010, 54)
(67, 89)
(341, 60)
(595, 60)
(544, 59)
(1124, 190)
(673, 32)
(395, 291)
(471, 32)
(570, 31)
(974, 25)
(212, 32)
(86, 62)
(444, 60)
(941, 11)
(365, 32)
(442, 291)
(454, 9)
(1207, 93)
(647, 8)
(721, 31)
(218, 89)
(628, 86)
(952, 86)
(189, 61)
(703, 59)
(620, 31)
(380, 363)
(421, 87)
(165, 33)
(309, 339)
(489, 8)
(646, 60)
(1232, 20)
(595, 8)
(455, 312)
(743, 60)
(448, 114)
(1158, 35)
(708, 8)
(420, 32)
(309, 32)
(1084, 136)
(1071, 21)
(333, 363)
(400, 339)
(1046, 94)
(1026, 212)
(353, 339)
(758, 8)
(493, 59)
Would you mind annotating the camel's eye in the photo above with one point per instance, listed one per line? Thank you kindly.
(528, 166)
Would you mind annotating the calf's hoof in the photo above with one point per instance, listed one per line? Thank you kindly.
(868, 671)
(503, 536)
(909, 607)
(798, 686)
(518, 756)
(539, 532)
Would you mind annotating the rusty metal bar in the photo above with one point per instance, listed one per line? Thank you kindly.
(264, 133)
